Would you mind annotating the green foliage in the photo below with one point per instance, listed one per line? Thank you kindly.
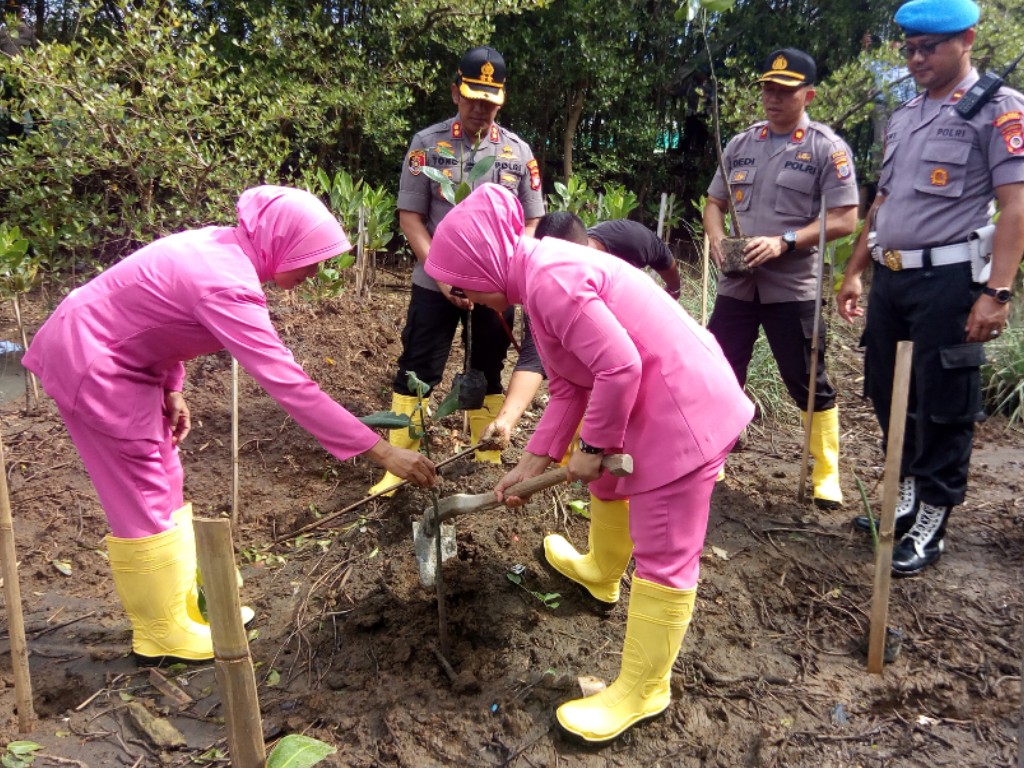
(614, 202)
(133, 136)
(297, 751)
(364, 211)
(17, 269)
(1003, 375)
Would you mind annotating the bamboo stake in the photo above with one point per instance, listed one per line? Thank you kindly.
(236, 679)
(12, 596)
(705, 271)
(661, 217)
(813, 384)
(890, 495)
(234, 442)
(24, 345)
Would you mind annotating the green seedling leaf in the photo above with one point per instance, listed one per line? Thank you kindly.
(273, 678)
(435, 175)
(717, 6)
(386, 419)
(297, 751)
(580, 507)
(63, 566)
(413, 382)
(20, 748)
(461, 193)
(481, 169)
(515, 578)
(449, 405)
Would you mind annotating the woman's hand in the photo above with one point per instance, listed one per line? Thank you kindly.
(529, 466)
(179, 418)
(584, 467)
(408, 465)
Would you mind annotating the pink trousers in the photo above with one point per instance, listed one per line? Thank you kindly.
(139, 482)
(668, 524)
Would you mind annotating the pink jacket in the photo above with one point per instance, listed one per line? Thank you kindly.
(620, 353)
(114, 345)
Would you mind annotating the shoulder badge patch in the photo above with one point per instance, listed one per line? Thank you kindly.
(803, 157)
(763, 134)
(495, 137)
(534, 175)
(841, 162)
(939, 177)
(416, 160)
(798, 135)
(456, 130)
(1010, 125)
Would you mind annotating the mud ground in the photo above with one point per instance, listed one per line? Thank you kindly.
(346, 641)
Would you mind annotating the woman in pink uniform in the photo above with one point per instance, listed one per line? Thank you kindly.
(112, 354)
(645, 379)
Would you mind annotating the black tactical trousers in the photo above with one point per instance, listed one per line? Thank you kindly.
(789, 327)
(430, 325)
(928, 306)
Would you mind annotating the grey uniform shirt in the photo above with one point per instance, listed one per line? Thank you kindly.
(779, 189)
(444, 147)
(940, 171)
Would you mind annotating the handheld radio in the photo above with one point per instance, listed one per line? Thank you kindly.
(983, 90)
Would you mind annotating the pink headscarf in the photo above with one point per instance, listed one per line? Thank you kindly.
(474, 242)
(289, 229)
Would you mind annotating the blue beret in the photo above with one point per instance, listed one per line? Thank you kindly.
(937, 17)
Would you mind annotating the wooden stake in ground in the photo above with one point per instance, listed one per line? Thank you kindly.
(812, 385)
(890, 495)
(236, 680)
(704, 282)
(12, 597)
(32, 382)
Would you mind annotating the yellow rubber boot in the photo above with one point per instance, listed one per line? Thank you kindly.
(824, 448)
(403, 405)
(601, 569)
(655, 627)
(183, 519)
(478, 421)
(153, 578)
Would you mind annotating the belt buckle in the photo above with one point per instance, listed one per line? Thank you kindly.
(893, 259)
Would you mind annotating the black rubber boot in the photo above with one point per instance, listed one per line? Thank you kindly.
(906, 509)
(923, 543)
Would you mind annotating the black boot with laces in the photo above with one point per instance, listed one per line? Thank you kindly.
(906, 506)
(923, 543)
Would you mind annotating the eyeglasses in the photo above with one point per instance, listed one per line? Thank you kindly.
(925, 49)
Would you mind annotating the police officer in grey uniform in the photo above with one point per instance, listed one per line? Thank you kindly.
(778, 170)
(941, 172)
(453, 147)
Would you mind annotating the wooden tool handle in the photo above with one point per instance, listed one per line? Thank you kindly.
(617, 464)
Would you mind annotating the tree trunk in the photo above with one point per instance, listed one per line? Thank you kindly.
(572, 122)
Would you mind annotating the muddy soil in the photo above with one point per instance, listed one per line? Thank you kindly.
(347, 642)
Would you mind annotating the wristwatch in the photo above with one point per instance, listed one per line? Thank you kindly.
(789, 238)
(586, 448)
(1002, 295)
